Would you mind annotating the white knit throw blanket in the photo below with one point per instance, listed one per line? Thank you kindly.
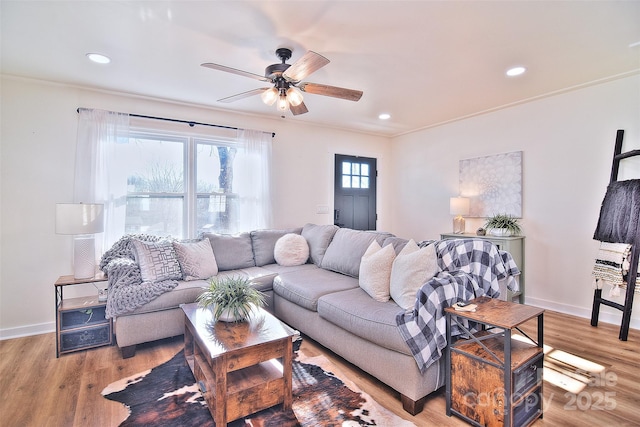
(612, 266)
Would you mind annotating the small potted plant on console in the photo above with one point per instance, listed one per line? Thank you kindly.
(503, 225)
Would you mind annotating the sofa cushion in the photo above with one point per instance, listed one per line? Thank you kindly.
(157, 260)
(398, 243)
(291, 249)
(412, 268)
(318, 238)
(375, 271)
(264, 242)
(187, 292)
(356, 312)
(260, 277)
(304, 287)
(279, 269)
(232, 251)
(196, 259)
(346, 249)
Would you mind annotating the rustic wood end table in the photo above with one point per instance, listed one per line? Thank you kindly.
(241, 368)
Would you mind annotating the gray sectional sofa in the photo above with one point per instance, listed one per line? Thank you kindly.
(321, 298)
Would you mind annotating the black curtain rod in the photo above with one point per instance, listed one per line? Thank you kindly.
(190, 123)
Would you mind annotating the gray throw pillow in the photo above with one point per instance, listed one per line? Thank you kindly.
(318, 237)
(232, 252)
(347, 247)
(264, 242)
(398, 243)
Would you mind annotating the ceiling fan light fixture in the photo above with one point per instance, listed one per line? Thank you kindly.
(294, 96)
(283, 104)
(269, 96)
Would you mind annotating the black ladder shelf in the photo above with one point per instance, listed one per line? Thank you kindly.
(635, 254)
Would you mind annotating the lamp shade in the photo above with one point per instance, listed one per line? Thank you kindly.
(79, 218)
(459, 206)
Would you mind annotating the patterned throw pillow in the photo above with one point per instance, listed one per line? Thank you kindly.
(157, 261)
(196, 259)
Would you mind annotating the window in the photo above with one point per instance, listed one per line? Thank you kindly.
(177, 185)
(355, 175)
(165, 177)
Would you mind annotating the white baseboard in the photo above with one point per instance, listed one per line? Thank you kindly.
(613, 318)
(25, 331)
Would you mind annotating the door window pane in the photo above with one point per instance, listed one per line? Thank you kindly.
(364, 182)
(364, 169)
(355, 181)
(346, 168)
(346, 181)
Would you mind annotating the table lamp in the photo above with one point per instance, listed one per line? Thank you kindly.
(458, 206)
(82, 220)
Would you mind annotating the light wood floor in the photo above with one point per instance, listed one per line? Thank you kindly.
(36, 389)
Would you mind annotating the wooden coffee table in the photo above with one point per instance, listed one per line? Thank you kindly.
(236, 365)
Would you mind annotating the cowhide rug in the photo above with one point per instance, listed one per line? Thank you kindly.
(167, 395)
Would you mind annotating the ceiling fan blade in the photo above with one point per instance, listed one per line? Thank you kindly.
(336, 92)
(309, 63)
(299, 109)
(235, 71)
(243, 95)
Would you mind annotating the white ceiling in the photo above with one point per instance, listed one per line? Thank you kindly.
(424, 62)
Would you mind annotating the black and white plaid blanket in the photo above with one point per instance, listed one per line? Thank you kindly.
(470, 268)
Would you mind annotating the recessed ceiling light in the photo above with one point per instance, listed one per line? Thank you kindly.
(98, 58)
(515, 71)
(384, 116)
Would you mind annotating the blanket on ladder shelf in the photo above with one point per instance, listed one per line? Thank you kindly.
(612, 267)
(470, 268)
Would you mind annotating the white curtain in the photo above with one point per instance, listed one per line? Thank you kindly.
(252, 179)
(98, 133)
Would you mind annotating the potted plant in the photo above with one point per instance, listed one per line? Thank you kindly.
(231, 299)
(503, 225)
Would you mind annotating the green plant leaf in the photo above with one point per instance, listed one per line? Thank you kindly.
(234, 294)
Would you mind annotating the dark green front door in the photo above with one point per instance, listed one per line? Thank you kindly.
(355, 192)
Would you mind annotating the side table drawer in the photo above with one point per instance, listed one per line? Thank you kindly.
(527, 376)
(528, 409)
(82, 317)
(85, 338)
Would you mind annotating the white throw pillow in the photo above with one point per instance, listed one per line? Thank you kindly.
(196, 259)
(412, 268)
(375, 271)
(291, 249)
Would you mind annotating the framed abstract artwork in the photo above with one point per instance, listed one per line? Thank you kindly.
(493, 184)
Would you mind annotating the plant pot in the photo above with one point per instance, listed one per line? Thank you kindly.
(500, 232)
(228, 316)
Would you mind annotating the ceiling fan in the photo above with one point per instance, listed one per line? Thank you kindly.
(287, 82)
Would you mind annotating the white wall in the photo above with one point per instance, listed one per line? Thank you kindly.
(39, 123)
(567, 142)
